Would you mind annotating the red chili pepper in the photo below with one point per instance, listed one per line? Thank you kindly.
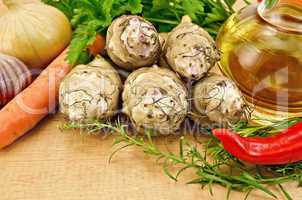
(284, 148)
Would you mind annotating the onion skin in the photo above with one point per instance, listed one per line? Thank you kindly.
(33, 32)
(14, 77)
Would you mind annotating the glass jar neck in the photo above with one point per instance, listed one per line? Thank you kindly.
(283, 14)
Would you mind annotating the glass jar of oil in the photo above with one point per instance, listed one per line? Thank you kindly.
(261, 49)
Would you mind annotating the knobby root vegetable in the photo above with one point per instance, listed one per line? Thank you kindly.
(33, 32)
(190, 50)
(163, 37)
(163, 40)
(132, 42)
(90, 91)
(39, 99)
(155, 98)
(217, 101)
(14, 77)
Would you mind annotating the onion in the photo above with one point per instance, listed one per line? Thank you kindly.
(32, 31)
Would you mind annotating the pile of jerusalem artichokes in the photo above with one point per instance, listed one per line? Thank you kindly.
(169, 79)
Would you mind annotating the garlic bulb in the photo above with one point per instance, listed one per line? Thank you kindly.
(190, 50)
(90, 91)
(217, 101)
(33, 32)
(14, 77)
(155, 98)
(132, 42)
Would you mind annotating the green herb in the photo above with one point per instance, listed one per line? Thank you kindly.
(249, 130)
(210, 14)
(213, 165)
(93, 17)
(270, 3)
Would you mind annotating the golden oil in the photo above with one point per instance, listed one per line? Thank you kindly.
(262, 53)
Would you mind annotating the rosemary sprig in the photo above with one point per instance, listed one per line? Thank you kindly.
(211, 164)
(251, 130)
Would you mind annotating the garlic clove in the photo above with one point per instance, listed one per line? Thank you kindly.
(2, 87)
(14, 77)
(6, 85)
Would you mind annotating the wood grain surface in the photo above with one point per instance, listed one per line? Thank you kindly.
(48, 164)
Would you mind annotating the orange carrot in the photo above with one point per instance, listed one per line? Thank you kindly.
(98, 45)
(38, 100)
(34, 103)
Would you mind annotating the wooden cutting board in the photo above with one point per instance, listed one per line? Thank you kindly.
(48, 164)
